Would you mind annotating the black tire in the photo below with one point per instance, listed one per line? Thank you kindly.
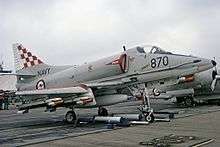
(189, 102)
(102, 112)
(70, 117)
(149, 118)
(179, 100)
(218, 103)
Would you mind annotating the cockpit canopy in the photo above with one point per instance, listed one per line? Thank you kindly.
(151, 49)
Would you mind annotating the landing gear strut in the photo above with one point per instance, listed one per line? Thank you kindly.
(102, 111)
(70, 117)
(146, 109)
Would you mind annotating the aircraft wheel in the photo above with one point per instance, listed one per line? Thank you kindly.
(70, 117)
(149, 118)
(179, 100)
(218, 103)
(189, 102)
(102, 111)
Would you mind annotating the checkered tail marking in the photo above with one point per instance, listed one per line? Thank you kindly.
(27, 58)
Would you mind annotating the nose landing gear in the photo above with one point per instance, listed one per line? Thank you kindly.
(146, 109)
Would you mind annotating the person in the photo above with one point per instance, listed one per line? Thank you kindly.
(6, 103)
(1, 99)
(1, 102)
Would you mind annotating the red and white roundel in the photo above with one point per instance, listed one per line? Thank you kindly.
(40, 85)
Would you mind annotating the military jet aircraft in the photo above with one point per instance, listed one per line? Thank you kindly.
(192, 89)
(100, 83)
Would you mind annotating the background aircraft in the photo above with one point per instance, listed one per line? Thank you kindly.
(100, 83)
(200, 87)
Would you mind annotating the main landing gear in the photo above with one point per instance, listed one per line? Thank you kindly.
(102, 111)
(70, 117)
(187, 101)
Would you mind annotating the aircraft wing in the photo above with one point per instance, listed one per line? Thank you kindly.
(58, 97)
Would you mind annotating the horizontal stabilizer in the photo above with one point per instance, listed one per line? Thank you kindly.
(17, 74)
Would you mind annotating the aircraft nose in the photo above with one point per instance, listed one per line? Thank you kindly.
(213, 63)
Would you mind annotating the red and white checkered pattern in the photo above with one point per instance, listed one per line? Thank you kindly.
(28, 59)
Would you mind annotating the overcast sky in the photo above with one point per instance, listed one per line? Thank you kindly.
(66, 32)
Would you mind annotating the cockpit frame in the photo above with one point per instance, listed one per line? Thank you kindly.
(151, 49)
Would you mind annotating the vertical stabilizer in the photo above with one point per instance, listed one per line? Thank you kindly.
(23, 58)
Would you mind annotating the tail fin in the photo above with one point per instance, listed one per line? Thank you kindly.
(23, 58)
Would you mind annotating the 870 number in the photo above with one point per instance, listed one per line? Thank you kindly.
(156, 62)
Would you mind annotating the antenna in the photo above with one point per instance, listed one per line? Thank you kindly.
(1, 63)
(1, 58)
(124, 48)
(1, 66)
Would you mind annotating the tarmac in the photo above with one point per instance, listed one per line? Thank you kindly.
(205, 126)
(190, 127)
